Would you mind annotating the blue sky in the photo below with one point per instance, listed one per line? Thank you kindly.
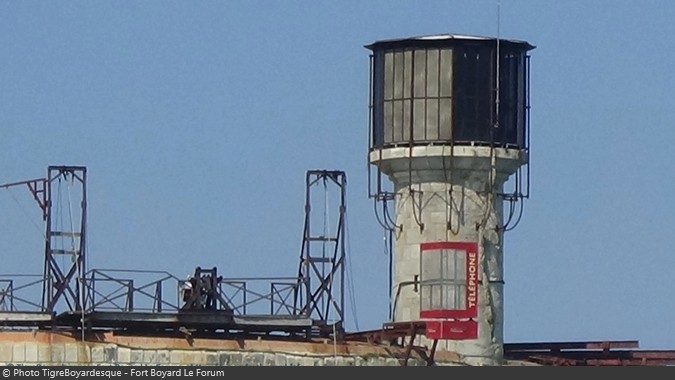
(198, 120)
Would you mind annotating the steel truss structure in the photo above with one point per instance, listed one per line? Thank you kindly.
(159, 301)
(321, 273)
(65, 237)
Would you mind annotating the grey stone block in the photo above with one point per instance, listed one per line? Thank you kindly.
(70, 353)
(163, 357)
(338, 361)
(280, 360)
(293, 361)
(136, 357)
(5, 352)
(190, 357)
(83, 353)
(309, 362)
(212, 358)
(176, 357)
(58, 354)
(375, 361)
(268, 359)
(97, 354)
(255, 359)
(110, 354)
(236, 359)
(329, 361)
(31, 352)
(45, 354)
(346, 361)
(123, 355)
(223, 359)
(149, 357)
(198, 357)
(19, 353)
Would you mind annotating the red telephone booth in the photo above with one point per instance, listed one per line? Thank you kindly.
(449, 289)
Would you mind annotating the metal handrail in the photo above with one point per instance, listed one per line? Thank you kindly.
(12, 298)
(244, 293)
(125, 294)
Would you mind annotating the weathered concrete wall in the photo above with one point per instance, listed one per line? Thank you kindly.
(44, 348)
(431, 210)
(445, 195)
(30, 353)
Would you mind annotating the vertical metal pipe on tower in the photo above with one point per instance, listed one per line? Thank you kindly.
(448, 126)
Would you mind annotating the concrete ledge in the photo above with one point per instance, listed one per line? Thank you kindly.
(48, 348)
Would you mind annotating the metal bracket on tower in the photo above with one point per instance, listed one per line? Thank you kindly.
(37, 188)
(520, 182)
(383, 198)
(383, 215)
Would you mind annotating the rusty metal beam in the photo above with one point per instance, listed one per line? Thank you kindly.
(610, 360)
(389, 332)
(591, 353)
(432, 353)
(408, 350)
(589, 345)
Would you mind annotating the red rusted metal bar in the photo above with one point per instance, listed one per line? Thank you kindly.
(633, 362)
(392, 331)
(37, 188)
(408, 350)
(601, 355)
(389, 332)
(432, 353)
(552, 360)
(411, 336)
(587, 355)
(654, 354)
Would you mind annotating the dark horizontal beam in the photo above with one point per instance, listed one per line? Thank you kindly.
(581, 345)
(596, 358)
(321, 238)
(18, 318)
(388, 332)
(30, 181)
(217, 320)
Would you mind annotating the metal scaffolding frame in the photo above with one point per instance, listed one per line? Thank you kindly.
(65, 281)
(61, 281)
(321, 272)
(311, 302)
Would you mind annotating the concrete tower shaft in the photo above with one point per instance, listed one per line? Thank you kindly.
(448, 127)
(446, 194)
